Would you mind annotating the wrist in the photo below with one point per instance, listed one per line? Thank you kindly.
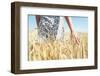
(72, 31)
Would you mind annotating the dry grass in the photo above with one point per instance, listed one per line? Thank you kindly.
(59, 49)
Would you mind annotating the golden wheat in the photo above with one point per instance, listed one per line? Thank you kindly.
(58, 49)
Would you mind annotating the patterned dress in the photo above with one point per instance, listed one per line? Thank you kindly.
(48, 26)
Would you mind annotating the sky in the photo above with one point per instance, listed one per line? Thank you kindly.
(80, 24)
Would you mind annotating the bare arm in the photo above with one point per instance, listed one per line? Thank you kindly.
(37, 19)
(69, 22)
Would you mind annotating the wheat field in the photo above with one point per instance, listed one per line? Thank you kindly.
(58, 49)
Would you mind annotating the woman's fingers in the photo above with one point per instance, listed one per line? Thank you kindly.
(75, 38)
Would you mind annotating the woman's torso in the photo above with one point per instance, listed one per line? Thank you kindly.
(48, 27)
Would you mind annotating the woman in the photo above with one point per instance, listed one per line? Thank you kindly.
(48, 27)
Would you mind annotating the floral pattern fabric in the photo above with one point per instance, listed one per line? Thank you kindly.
(48, 27)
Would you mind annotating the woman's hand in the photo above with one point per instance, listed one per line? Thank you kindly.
(75, 38)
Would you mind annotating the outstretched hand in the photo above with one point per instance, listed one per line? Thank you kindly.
(75, 38)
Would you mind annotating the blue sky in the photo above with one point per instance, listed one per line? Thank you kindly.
(32, 22)
(80, 24)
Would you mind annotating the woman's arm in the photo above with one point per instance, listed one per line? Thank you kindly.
(37, 19)
(70, 24)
